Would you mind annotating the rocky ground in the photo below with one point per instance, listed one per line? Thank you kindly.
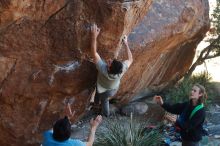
(213, 126)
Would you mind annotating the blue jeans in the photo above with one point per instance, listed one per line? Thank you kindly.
(104, 100)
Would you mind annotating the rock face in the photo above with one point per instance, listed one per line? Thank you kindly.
(45, 54)
(164, 45)
(45, 58)
(137, 108)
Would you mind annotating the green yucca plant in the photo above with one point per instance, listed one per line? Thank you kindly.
(126, 132)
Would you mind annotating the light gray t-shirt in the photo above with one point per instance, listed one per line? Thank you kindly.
(106, 81)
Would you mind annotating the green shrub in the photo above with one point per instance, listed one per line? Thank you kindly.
(126, 133)
(180, 92)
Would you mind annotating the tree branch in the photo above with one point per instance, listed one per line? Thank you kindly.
(213, 56)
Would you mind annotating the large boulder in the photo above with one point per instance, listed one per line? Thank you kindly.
(45, 58)
(164, 44)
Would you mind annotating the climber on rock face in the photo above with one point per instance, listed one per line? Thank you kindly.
(109, 74)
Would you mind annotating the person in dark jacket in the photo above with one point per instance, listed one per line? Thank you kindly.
(191, 115)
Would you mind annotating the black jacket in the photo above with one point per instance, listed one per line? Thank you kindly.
(192, 129)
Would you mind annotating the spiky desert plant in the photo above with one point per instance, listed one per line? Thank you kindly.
(127, 132)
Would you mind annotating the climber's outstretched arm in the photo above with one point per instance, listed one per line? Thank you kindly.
(94, 32)
(129, 54)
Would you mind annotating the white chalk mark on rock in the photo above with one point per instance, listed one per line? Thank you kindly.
(70, 66)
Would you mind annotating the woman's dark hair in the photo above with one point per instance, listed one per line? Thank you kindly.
(62, 129)
(116, 67)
